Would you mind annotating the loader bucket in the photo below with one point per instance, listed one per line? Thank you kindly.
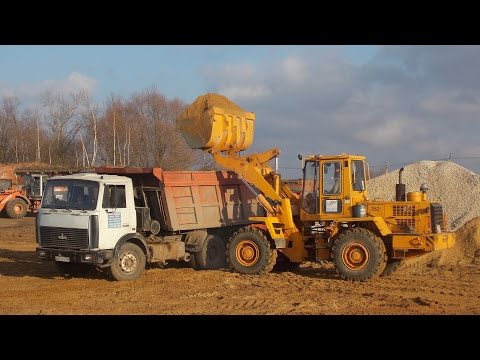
(214, 122)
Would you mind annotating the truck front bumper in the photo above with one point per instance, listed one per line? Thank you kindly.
(75, 256)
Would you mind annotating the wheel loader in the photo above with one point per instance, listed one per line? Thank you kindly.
(331, 220)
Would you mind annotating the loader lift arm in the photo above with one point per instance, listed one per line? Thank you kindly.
(254, 168)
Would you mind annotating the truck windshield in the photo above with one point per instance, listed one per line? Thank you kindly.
(70, 194)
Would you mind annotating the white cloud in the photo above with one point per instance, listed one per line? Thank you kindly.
(451, 102)
(247, 92)
(390, 132)
(295, 70)
(73, 83)
(240, 82)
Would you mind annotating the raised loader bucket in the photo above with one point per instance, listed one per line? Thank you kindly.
(214, 122)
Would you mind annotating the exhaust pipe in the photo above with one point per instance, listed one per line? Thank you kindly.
(400, 188)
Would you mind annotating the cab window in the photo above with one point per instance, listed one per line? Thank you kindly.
(310, 199)
(114, 197)
(332, 178)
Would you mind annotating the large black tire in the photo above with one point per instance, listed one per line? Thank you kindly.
(16, 208)
(73, 269)
(193, 261)
(359, 255)
(211, 255)
(249, 252)
(392, 266)
(129, 264)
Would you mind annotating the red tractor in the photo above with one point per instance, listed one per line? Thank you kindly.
(16, 203)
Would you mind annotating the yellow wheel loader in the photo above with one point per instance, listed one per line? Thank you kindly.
(332, 219)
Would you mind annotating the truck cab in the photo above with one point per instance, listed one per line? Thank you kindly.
(83, 217)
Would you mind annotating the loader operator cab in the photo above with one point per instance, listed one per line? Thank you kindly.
(331, 185)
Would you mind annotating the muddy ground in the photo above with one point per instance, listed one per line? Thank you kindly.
(427, 286)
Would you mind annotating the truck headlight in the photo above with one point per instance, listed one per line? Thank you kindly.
(88, 257)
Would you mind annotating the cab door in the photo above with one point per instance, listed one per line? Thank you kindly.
(115, 220)
(333, 189)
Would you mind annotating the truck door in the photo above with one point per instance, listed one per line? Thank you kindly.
(115, 220)
(332, 188)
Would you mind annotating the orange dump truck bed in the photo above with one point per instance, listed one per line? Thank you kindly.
(196, 199)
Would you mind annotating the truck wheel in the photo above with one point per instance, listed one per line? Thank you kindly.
(72, 269)
(212, 254)
(249, 252)
(16, 208)
(392, 266)
(359, 255)
(193, 261)
(129, 264)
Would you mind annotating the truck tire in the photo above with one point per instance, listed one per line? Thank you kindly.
(212, 254)
(193, 261)
(16, 208)
(392, 266)
(249, 252)
(72, 269)
(359, 255)
(129, 264)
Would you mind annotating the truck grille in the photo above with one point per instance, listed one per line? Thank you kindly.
(437, 216)
(56, 237)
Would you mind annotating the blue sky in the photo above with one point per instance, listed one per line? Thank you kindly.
(395, 104)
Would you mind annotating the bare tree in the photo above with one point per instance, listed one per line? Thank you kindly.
(63, 120)
(154, 139)
(10, 129)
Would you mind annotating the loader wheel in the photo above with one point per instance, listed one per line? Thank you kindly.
(249, 252)
(129, 264)
(16, 209)
(392, 266)
(359, 255)
(73, 269)
(212, 254)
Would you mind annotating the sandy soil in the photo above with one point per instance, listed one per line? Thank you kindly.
(442, 283)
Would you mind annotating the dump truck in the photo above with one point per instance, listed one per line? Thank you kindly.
(332, 219)
(119, 220)
(16, 203)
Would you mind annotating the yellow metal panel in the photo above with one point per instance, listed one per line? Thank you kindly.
(382, 225)
(444, 241)
(408, 242)
(295, 250)
(269, 221)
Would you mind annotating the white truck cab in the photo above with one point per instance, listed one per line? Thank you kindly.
(83, 218)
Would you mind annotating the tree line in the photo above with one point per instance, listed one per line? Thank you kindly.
(73, 131)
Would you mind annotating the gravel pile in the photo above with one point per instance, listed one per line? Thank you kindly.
(453, 186)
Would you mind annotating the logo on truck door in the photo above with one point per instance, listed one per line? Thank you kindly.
(62, 237)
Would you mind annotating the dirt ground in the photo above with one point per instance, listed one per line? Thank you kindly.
(446, 282)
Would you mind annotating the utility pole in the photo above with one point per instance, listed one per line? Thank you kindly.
(386, 167)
